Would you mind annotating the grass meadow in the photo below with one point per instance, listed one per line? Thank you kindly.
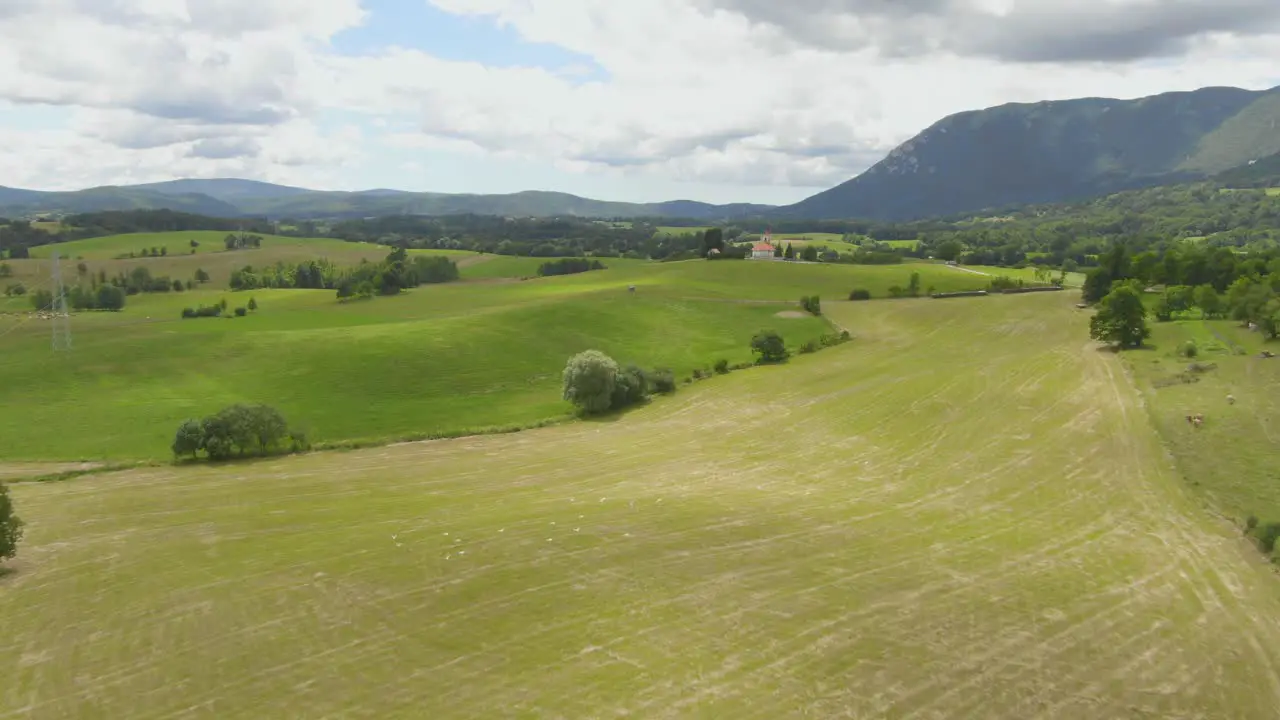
(963, 513)
(438, 359)
(1230, 459)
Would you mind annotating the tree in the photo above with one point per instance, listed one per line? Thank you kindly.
(812, 304)
(1121, 319)
(178, 286)
(194, 244)
(1208, 300)
(769, 345)
(712, 239)
(5, 270)
(10, 526)
(201, 276)
(110, 297)
(777, 251)
(589, 381)
(789, 253)
(948, 250)
(809, 253)
(188, 440)
(164, 251)
(253, 305)
(1097, 283)
(42, 300)
(913, 287)
(630, 387)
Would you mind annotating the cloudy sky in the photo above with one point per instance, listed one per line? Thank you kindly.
(643, 100)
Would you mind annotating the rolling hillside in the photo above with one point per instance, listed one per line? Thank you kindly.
(230, 197)
(1020, 154)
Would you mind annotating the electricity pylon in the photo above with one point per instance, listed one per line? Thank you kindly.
(61, 319)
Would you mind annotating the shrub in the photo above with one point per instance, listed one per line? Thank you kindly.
(811, 304)
(1189, 349)
(722, 367)
(697, 374)
(809, 347)
(241, 312)
(242, 429)
(253, 305)
(897, 292)
(569, 266)
(629, 387)
(42, 300)
(10, 525)
(860, 294)
(188, 313)
(110, 297)
(769, 346)
(15, 289)
(1267, 536)
(188, 439)
(1250, 523)
(589, 380)
(662, 380)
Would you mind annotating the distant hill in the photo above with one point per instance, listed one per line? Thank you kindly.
(230, 197)
(226, 189)
(15, 202)
(1019, 154)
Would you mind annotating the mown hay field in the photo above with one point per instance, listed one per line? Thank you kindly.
(963, 513)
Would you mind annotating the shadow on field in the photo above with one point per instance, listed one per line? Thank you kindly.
(1116, 349)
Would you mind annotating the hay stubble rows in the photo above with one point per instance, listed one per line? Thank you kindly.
(964, 513)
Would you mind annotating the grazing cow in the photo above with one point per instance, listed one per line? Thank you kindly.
(1231, 399)
(631, 288)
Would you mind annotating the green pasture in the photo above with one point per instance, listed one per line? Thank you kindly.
(435, 360)
(1231, 458)
(965, 512)
(671, 230)
(110, 247)
(211, 256)
(1028, 274)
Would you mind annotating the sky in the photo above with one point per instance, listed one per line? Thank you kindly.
(645, 100)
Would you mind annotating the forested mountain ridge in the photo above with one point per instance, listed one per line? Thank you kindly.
(1047, 152)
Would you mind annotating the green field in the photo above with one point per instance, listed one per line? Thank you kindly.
(1231, 458)
(963, 513)
(437, 359)
(179, 243)
(1027, 274)
(671, 230)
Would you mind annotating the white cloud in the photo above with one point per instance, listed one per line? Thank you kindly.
(730, 93)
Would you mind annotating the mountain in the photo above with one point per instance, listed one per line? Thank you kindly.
(227, 190)
(229, 197)
(1046, 152)
(15, 202)
(1260, 173)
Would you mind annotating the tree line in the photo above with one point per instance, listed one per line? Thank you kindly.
(237, 431)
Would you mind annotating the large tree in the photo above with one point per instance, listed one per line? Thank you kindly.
(1121, 319)
(712, 239)
(769, 345)
(589, 381)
